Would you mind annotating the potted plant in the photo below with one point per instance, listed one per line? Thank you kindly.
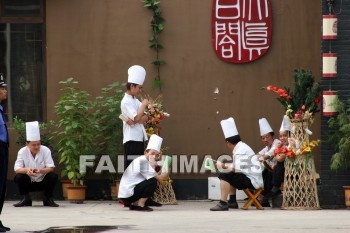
(75, 135)
(339, 138)
(110, 131)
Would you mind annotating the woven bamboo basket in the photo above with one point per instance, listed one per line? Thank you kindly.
(299, 189)
(164, 193)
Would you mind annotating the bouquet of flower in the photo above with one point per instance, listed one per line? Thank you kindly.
(156, 113)
(292, 151)
(303, 102)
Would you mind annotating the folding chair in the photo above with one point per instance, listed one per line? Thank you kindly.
(252, 199)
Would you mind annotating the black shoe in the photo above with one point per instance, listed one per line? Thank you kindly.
(219, 207)
(24, 202)
(3, 227)
(50, 202)
(265, 203)
(139, 208)
(232, 205)
(150, 202)
(272, 194)
(127, 204)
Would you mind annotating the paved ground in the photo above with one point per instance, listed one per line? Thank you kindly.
(187, 216)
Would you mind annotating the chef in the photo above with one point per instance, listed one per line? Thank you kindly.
(278, 169)
(34, 168)
(4, 153)
(267, 156)
(268, 139)
(139, 180)
(244, 172)
(134, 133)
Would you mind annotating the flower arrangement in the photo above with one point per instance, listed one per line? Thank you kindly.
(156, 113)
(303, 102)
(292, 151)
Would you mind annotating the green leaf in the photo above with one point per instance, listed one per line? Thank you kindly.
(157, 83)
(158, 62)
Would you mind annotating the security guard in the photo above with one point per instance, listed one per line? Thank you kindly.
(4, 153)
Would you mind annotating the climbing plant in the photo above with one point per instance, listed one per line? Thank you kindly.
(157, 28)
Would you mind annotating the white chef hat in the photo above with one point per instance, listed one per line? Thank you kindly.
(229, 127)
(265, 127)
(136, 74)
(155, 143)
(285, 126)
(32, 131)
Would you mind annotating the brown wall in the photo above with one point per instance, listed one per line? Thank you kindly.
(96, 41)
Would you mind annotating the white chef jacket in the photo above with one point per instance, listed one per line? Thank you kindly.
(267, 151)
(246, 162)
(139, 170)
(42, 160)
(129, 108)
(271, 151)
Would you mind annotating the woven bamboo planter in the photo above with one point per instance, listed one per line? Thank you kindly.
(300, 190)
(164, 193)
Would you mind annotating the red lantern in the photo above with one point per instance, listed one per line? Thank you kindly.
(329, 65)
(329, 25)
(329, 100)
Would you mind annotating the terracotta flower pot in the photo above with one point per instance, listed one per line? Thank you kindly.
(347, 196)
(76, 194)
(65, 185)
(115, 189)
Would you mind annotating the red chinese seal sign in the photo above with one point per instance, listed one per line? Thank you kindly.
(241, 29)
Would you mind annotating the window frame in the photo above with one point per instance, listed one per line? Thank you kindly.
(23, 19)
(33, 20)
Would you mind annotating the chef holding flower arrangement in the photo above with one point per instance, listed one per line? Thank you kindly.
(134, 118)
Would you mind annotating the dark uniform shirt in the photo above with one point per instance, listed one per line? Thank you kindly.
(3, 128)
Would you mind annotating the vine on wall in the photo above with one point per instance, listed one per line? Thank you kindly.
(157, 28)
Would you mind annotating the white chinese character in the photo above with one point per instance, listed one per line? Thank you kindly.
(254, 37)
(235, 6)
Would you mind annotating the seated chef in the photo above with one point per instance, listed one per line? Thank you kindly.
(139, 180)
(244, 172)
(278, 169)
(34, 168)
(267, 156)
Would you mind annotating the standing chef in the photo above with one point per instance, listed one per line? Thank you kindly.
(134, 133)
(34, 168)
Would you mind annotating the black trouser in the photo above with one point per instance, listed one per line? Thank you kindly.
(4, 156)
(132, 148)
(278, 174)
(237, 180)
(145, 189)
(47, 185)
(267, 177)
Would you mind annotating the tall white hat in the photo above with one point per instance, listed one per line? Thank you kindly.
(229, 127)
(285, 126)
(265, 127)
(136, 74)
(155, 142)
(32, 131)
